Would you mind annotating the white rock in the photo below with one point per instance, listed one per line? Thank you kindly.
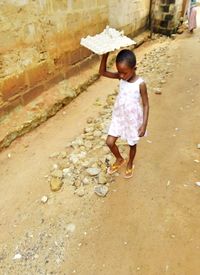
(44, 199)
(54, 167)
(101, 190)
(198, 146)
(71, 227)
(17, 256)
(73, 158)
(88, 130)
(157, 91)
(93, 171)
(86, 181)
(198, 183)
(82, 155)
(80, 192)
(66, 172)
(9, 155)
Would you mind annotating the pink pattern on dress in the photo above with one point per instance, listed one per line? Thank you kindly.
(127, 116)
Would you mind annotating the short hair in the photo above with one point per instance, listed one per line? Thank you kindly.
(126, 56)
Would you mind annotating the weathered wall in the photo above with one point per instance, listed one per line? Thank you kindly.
(40, 40)
(129, 15)
(166, 15)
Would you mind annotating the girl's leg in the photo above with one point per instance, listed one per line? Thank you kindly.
(131, 156)
(114, 149)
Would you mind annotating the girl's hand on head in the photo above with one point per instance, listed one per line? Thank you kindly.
(142, 131)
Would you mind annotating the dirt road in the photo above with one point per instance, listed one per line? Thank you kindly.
(148, 225)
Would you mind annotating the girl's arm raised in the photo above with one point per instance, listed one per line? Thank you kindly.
(145, 103)
(103, 69)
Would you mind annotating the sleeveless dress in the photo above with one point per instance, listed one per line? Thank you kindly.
(127, 116)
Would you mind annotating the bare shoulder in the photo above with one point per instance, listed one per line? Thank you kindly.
(142, 83)
(143, 86)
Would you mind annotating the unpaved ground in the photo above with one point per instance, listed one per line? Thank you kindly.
(147, 225)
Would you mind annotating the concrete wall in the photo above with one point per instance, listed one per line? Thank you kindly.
(40, 42)
(131, 16)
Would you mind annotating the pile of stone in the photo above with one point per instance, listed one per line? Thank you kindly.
(79, 165)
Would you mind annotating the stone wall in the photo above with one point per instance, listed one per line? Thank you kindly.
(40, 40)
(166, 15)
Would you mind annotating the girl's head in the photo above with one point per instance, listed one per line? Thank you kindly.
(126, 64)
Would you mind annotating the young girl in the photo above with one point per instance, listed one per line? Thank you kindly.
(131, 109)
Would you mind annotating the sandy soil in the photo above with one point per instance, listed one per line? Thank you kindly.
(148, 225)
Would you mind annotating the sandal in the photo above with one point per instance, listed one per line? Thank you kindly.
(129, 173)
(115, 167)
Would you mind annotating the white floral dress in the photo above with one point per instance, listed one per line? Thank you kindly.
(127, 116)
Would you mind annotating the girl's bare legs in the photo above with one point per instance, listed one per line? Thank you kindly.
(114, 149)
(131, 156)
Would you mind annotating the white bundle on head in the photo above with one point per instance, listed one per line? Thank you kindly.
(107, 41)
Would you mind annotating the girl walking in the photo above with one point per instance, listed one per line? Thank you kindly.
(192, 15)
(131, 109)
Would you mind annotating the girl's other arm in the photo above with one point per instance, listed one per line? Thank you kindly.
(103, 69)
(145, 103)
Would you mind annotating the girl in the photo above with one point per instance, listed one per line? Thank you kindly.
(129, 118)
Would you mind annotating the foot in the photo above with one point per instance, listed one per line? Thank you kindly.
(129, 171)
(115, 166)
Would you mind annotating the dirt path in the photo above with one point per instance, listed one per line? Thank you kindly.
(148, 225)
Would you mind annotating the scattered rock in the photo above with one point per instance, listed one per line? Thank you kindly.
(80, 192)
(71, 227)
(67, 172)
(74, 158)
(77, 183)
(44, 199)
(9, 155)
(94, 171)
(173, 36)
(89, 120)
(88, 144)
(86, 181)
(54, 167)
(57, 174)
(17, 256)
(56, 184)
(157, 91)
(101, 190)
(63, 155)
(69, 181)
(54, 155)
(102, 178)
(97, 133)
